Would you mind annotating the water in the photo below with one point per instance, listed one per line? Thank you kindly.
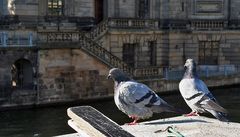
(52, 121)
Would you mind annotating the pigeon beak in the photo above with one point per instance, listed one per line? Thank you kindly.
(185, 65)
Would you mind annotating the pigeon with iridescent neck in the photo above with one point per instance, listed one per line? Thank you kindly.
(196, 94)
(135, 99)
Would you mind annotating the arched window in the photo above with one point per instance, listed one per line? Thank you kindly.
(22, 74)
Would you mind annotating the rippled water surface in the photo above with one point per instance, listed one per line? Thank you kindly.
(52, 121)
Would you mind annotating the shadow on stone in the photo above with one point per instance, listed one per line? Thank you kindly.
(175, 122)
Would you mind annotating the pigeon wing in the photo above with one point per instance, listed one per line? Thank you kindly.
(141, 96)
(210, 104)
(208, 101)
(138, 94)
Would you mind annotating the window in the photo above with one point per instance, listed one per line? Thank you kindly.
(182, 6)
(143, 11)
(128, 53)
(152, 52)
(208, 52)
(55, 7)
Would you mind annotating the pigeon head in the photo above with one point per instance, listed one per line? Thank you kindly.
(118, 75)
(190, 69)
(190, 63)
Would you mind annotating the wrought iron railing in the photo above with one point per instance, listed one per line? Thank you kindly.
(98, 30)
(96, 50)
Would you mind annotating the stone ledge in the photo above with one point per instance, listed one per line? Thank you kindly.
(197, 126)
(87, 121)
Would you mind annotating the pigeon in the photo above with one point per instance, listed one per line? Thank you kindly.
(196, 94)
(135, 99)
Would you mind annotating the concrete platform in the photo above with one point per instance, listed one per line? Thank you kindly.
(89, 122)
(196, 126)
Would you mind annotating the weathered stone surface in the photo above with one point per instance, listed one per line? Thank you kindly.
(84, 78)
(87, 120)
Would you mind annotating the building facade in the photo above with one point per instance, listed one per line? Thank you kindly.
(61, 50)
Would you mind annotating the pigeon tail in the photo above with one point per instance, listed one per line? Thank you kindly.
(219, 115)
(211, 105)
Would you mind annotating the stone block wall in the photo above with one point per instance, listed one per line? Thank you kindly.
(71, 74)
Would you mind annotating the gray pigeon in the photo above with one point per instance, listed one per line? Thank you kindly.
(197, 95)
(135, 99)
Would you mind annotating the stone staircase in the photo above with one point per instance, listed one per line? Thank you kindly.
(80, 40)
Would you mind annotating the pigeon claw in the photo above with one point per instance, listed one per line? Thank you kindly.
(135, 118)
(132, 123)
(193, 113)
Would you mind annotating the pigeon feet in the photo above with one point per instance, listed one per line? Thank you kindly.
(135, 118)
(133, 123)
(193, 113)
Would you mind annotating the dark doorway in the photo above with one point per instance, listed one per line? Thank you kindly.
(22, 74)
(128, 54)
(98, 10)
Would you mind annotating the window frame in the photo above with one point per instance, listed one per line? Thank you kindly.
(208, 52)
(55, 7)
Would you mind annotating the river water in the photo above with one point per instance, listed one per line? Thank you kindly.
(52, 121)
